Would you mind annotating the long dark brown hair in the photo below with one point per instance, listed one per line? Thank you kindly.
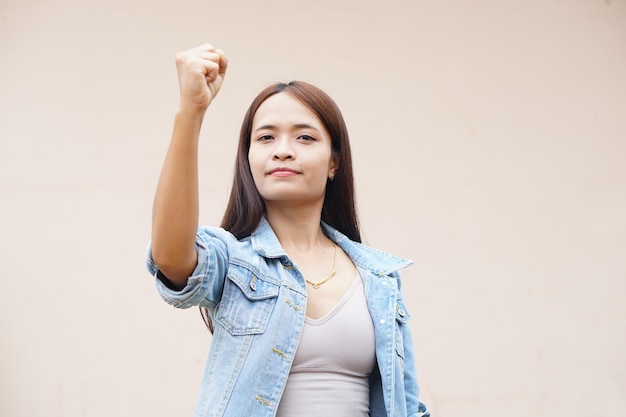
(245, 206)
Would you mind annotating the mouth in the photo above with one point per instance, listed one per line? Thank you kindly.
(282, 172)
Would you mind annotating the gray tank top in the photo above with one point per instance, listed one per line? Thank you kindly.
(329, 375)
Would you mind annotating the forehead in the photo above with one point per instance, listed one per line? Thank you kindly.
(284, 109)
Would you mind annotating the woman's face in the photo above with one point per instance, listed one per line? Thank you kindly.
(290, 152)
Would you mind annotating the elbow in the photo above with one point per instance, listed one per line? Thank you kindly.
(177, 268)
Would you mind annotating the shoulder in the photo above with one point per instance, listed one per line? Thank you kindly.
(242, 250)
(208, 237)
(213, 238)
(213, 232)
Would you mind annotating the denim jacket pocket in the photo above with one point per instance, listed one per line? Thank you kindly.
(247, 302)
(402, 319)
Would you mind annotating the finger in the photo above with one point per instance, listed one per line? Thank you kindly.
(210, 70)
(190, 63)
(208, 56)
(223, 62)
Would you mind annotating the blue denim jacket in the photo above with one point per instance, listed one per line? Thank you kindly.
(257, 300)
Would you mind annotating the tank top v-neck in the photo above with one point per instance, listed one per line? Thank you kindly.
(329, 375)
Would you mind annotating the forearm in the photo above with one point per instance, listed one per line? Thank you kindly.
(175, 208)
(201, 72)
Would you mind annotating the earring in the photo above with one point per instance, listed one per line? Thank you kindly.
(332, 177)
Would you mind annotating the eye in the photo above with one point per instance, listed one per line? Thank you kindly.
(307, 138)
(264, 138)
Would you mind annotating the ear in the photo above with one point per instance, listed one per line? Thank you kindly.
(333, 166)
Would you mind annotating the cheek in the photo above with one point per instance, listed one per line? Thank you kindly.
(257, 172)
(257, 169)
(253, 161)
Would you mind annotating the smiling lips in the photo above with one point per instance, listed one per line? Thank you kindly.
(282, 172)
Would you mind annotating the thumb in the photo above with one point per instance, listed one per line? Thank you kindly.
(223, 63)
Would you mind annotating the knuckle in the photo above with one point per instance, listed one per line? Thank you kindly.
(181, 58)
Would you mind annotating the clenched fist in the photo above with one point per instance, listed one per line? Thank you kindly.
(201, 71)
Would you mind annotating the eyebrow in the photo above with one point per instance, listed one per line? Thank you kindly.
(296, 126)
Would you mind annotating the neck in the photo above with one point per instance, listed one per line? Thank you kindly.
(297, 229)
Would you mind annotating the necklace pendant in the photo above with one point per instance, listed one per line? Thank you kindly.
(316, 285)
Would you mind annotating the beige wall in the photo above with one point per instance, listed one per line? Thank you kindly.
(489, 138)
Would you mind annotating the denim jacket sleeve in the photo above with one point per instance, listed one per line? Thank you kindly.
(415, 408)
(204, 286)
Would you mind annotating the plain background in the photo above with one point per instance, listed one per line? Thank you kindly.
(489, 141)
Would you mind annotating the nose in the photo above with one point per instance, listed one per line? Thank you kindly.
(283, 151)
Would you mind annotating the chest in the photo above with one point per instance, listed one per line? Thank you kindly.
(326, 282)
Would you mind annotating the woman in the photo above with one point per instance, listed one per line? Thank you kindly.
(307, 320)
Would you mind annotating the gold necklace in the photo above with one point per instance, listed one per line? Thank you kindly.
(316, 285)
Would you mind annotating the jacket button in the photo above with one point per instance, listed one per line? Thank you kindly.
(382, 321)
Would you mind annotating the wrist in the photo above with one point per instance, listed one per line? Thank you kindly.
(191, 112)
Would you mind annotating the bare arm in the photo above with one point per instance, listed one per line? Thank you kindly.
(175, 210)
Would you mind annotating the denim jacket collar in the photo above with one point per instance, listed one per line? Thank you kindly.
(265, 242)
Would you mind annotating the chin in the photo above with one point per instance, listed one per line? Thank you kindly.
(292, 198)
